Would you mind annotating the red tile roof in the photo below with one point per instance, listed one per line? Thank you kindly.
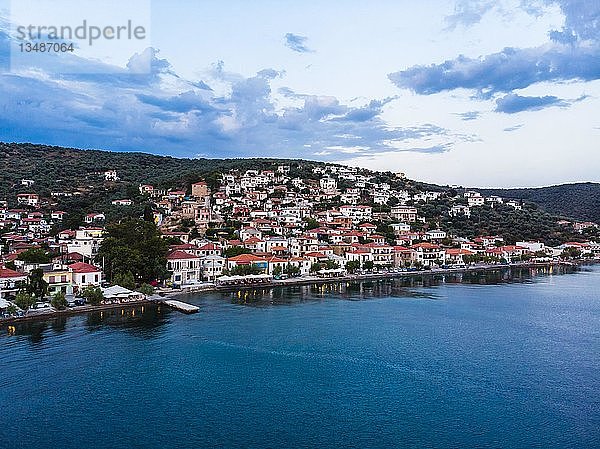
(8, 273)
(178, 255)
(81, 267)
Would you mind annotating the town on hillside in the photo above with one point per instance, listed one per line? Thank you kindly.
(251, 227)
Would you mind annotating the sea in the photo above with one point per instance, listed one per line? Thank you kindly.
(504, 359)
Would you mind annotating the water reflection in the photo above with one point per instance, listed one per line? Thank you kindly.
(148, 321)
(396, 287)
(143, 321)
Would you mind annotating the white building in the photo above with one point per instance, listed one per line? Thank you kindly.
(85, 275)
(111, 175)
(185, 268)
(459, 209)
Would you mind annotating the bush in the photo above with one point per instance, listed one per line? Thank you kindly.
(24, 300)
(146, 289)
(59, 301)
(92, 295)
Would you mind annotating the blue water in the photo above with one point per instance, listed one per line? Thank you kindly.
(377, 365)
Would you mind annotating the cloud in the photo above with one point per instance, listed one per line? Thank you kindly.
(510, 69)
(513, 128)
(469, 115)
(297, 43)
(468, 12)
(572, 53)
(158, 111)
(513, 103)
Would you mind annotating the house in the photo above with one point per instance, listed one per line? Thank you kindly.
(200, 190)
(10, 282)
(435, 234)
(94, 217)
(357, 213)
(328, 184)
(212, 266)
(515, 205)
(28, 199)
(456, 256)
(474, 199)
(429, 254)
(404, 213)
(403, 256)
(247, 259)
(59, 279)
(27, 182)
(400, 228)
(185, 268)
(85, 275)
(111, 175)
(124, 202)
(359, 255)
(458, 210)
(58, 215)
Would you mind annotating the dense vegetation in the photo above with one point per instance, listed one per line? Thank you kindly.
(580, 200)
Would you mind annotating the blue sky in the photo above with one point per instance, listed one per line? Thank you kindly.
(481, 93)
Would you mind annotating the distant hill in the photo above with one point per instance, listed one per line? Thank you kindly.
(580, 200)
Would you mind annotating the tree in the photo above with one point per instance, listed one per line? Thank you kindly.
(292, 270)
(315, 267)
(244, 270)
(571, 253)
(148, 214)
(146, 289)
(277, 270)
(24, 300)
(93, 295)
(36, 283)
(125, 280)
(59, 301)
(311, 223)
(236, 251)
(352, 266)
(134, 246)
(34, 255)
(368, 265)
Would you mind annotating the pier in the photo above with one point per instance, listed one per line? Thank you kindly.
(181, 306)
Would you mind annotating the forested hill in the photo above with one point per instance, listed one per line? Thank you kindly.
(56, 168)
(580, 200)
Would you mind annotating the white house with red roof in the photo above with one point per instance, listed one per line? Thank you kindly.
(9, 282)
(456, 256)
(429, 254)
(94, 217)
(85, 274)
(185, 268)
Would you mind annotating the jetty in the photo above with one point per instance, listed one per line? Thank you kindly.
(181, 306)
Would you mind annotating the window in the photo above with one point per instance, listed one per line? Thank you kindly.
(83, 279)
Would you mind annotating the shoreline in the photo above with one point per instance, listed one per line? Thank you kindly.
(162, 296)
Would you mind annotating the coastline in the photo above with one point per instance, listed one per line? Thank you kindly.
(164, 295)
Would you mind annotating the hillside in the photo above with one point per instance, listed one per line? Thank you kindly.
(73, 180)
(580, 201)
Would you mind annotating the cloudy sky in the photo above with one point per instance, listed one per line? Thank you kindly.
(477, 92)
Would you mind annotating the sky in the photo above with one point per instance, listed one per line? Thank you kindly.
(487, 93)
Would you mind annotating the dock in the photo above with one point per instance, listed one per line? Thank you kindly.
(181, 306)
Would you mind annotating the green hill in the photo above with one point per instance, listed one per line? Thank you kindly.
(579, 201)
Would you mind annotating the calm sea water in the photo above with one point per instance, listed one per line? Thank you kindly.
(374, 365)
